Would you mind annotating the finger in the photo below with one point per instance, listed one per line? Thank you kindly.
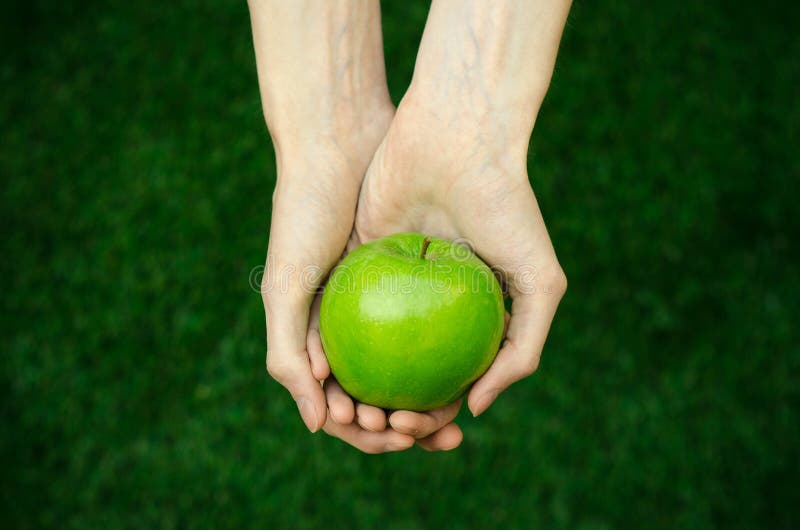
(303, 246)
(531, 316)
(293, 371)
(340, 405)
(368, 441)
(447, 438)
(316, 354)
(421, 424)
(371, 418)
(288, 360)
(506, 320)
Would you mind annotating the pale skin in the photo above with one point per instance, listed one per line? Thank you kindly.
(449, 162)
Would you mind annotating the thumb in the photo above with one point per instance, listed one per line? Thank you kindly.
(532, 312)
(287, 357)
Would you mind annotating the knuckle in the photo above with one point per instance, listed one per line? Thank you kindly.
(277, 368)
(562, 281)
(556, 280)
(527, 366)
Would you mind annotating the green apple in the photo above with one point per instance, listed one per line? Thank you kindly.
(410, 322)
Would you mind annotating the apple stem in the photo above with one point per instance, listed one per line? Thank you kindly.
(425, 243)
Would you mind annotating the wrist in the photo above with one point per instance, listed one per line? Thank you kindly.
(493, 61)
(339, 147)
(347, 136)
(320, 69)
(460, 127)
(318, 116)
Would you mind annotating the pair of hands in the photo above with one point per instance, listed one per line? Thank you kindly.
(449, 162)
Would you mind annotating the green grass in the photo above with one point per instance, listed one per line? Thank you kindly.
(137, 176)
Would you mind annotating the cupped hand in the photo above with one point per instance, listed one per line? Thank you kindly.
(312, 219)
(458, 176)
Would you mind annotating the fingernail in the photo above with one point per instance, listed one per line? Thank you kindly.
(393, 446)
(307, 413)
(484, 402)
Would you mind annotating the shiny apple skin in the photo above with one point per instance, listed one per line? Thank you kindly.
(411, 333)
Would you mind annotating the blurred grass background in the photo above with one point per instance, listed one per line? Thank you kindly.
(136, 184)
